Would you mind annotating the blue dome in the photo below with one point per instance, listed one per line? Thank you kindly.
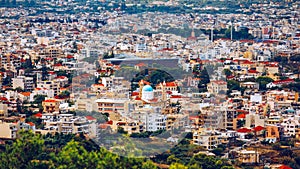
(147, 88)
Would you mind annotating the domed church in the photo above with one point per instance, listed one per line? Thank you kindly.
(147, 93)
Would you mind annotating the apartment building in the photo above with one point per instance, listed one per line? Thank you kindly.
(206, 138)
(111, 105)
(3, 110)
(9, 127)
(23, 82)
(69, 124)
(247, 157)
(290, 126)
(217, 87)
(50, 105)
(254, 120)
(50, 85)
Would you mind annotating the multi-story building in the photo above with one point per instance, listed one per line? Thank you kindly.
(25, 83)
(51, 52)
(111, 82)
(9, 127)
(206, 138)
(50, 105)
(111, 105)
(3, 110)
(153, 121)
(50, 85)
(131, 127)
(217, 87)
(86, 104)
(69, 124)
(290, 126)
(230, 119)
(49, 93)
(246, 156)
(254, 120)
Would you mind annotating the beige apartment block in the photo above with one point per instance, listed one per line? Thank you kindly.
(246, 156)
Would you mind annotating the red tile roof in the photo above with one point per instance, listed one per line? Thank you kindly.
(241, 116)
(90, 118)
(258, 128)
(38, 115)
(25, 93)
(284, 81)
(31, 124)
(171, 84)
(176, 96)
(247, 62)
(140, 64)
(244, 130)
(70, 57)
(135, 93)
(252, 71)
(219, 82)
(50, 100)
(3, 98)
(285, 167)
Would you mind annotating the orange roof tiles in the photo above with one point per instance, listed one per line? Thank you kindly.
(31, 124)
(219, 82)
(90, 118)
(171, 84)
(25, 93)
(50, 100)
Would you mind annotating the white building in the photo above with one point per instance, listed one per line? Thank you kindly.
(290, 125)
(50, 85)
(25, 83)
(154, 121)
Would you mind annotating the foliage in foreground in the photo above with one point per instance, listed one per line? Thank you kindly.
(69, 151)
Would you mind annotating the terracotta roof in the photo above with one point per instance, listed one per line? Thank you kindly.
(70, 57)
(140, 64)
(31, 124)
(247, 62)
(241, 116)
(103, 126)
(145, 82)
(176, 96)
(25, 93)
(258, 128)
(3, 98)
(246, 41)
(283, 81)
(109, 122)
(252, 71)
(135, 93)
(50, 100)
(219, 82)
(193, 117)
(169, 92)
(38, 115)
(171, 84)
(57, 64)
(244, 130)
(90, 118)
(121, 123)
(98, 85)
(285, 167)
(242, 111)
(61, 77)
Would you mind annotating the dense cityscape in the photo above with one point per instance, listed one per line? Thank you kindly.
(150, 84)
